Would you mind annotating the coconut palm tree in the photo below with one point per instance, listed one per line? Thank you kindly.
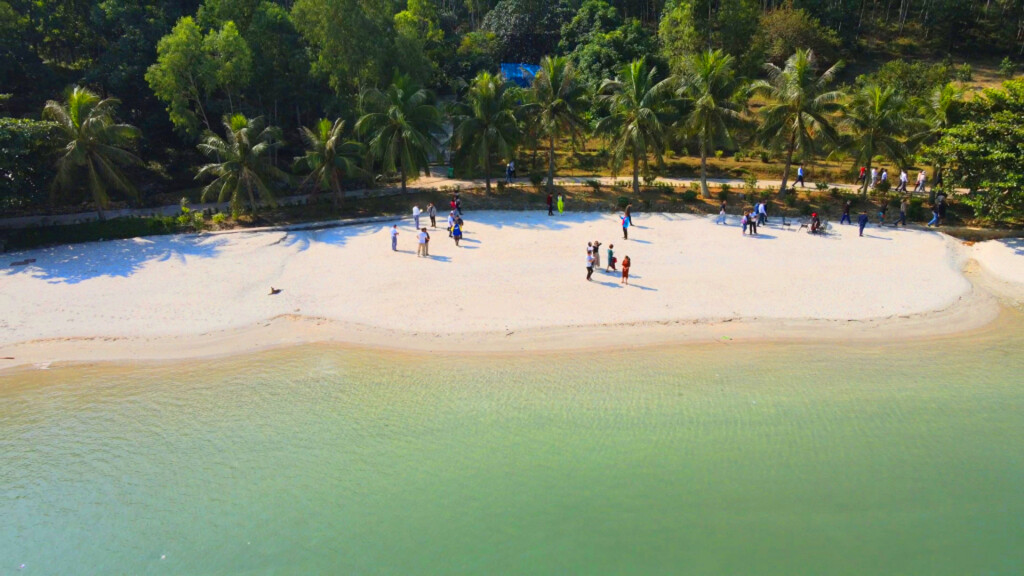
(403, 124)
(242, 167)
(875, 120)
(710, 89)
(486, 122)
(557, 104)
(95, 147)
(938, 112)
(329, 158)
(800, 108)
(637, 116)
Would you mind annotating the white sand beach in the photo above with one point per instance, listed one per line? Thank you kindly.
(516, 283)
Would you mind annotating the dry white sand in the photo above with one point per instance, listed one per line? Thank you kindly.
(516, 283)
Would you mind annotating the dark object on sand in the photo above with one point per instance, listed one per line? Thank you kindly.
(274, 291)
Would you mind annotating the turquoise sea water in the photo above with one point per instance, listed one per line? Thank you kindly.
(713, 459)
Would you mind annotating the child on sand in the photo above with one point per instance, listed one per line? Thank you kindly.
(611, 258)
(394, 238)
(457, 232)
(590, 264)
(626, 263)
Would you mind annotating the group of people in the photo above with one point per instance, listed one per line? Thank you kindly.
(594, 261)
(455, 224)
(880, 176)
(552, 203)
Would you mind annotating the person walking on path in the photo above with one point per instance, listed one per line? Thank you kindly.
(921, 177)
(416, 216)
(904, 206)
(882, 210)
(935, 215)
(629, 213)
(874, 177)
(721, 214)
(625, 227)
(394, 238)
(457, 233)
(799, 177)
(432, 212)
(597, 254)
(626, 263)
(561, 205)
(862, 221)
(883, 178)
(942, 208)
(512, 165)
(860, 177)
(421, 248)
(846, 214)
(611, 258)
(762, 212)
(904, 180)
(451, 222)
(551, 205)
(590, 265)
(508, 173)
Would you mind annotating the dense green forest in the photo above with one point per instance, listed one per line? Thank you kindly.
(109, 100)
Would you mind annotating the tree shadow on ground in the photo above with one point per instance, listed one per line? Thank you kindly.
(1015, 244)
(77, 263)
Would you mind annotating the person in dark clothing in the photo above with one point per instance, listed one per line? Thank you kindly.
(551, 205)
(846, 213)
(862, 221)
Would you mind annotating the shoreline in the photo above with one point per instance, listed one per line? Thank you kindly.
(980, 311)
(200, 297)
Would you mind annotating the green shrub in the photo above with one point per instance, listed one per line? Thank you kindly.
(536, 178)
(821, 186)
(750, 182)
(963, 72)
(649, 179)
(623, 201)
(738, 156)
(835, 191)
(883, 187)
(28, 151)
(690, 195)
(790, 199)
(1007, 68)
(219, 219)
(501, 186)
(806, 209)
(114, 229)
(916, 212)
(765, 157)
(723, 192)
(719, 154)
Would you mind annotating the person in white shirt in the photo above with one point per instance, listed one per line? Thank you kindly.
(920, 182)
(762, 213)
(451, 222)
(416, 216)
(394, 238)
(423, 237)
(903, 181)
(874, 177)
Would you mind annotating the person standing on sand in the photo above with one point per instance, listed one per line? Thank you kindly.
(629, 213)
(625, 227)
(752, 223)
(426, 244)
(611, 258)
(394, 238)
(457, 233)
(551, 205)
(626, 263)
(561, 205)
(416, 216)
(590, 265)
(597, 254)
(451, 222)
(421, 248)
(458, 203)
(904, 206)
(745, 221)
(862, 221)
(846, 213)
(762, 213)
(432, 212)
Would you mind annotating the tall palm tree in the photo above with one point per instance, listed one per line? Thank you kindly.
(637, 116)
(403, 124)
(800, 108)
(876, 119)
(329, 158)
(486, 122)
(938, 112)
(713, 94)
(242, 167)
(94, 145)
(557, 104)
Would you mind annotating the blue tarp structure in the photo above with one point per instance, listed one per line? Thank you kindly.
(519, 74)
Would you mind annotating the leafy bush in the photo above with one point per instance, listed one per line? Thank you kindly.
(723, 192)
(883, 187)
(765, 157)
(835, 191)
(219, 219)
(690, 195)
(790, 200)
(649, 179)
(738, 156)
(1007, 68)
(623, 201)
(719, 154)
(595, 184)
(536, 178)
(750, 182)
(114, 229)
(27, 155)
(806, 209)
(916, 213)
(501, 186)
(821, 186)
(963, 72)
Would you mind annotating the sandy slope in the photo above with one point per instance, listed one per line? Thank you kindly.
(515, 273)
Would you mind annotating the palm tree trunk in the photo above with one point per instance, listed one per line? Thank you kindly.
(487, 172)
(252, 199)
(401, 171)
(636, 174)
(789, 162)
(551, 164)
(704, 170)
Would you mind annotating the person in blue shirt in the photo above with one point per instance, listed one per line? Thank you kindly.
(862, 221)
(800, 176)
